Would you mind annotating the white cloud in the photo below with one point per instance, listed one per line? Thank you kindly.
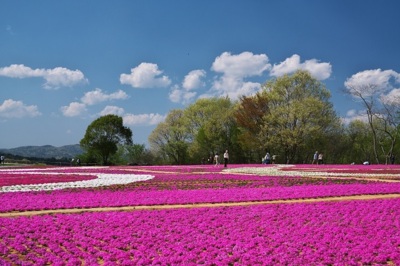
(242, 65)
(112, 110)
(132, 119)
(55, 78)
(234, 87)
(97, 96)
(353, 115)
(73, 109)
(373, 81)
(146, 75)
(175, 94)
(193, 80)
(183, 96)
(318, 70)
(234, 69)
(392, 98)
(144, 119)
(17, 109)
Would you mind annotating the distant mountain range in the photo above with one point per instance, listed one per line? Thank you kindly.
(46, 151)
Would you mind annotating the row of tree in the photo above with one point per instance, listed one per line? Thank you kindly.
(290, 117)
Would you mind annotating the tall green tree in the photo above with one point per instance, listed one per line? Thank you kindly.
(212, 128)
(298, 110)
(103, 136)
(170, 139)
(360, 137)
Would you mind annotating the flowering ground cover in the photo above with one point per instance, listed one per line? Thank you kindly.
(187, 187)
(340, 233)
(8, 179)
(319, 233)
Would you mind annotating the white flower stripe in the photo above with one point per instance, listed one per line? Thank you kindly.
(276, 171)
(101, 180)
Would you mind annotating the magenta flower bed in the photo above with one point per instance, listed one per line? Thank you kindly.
(340, 233)
(192, 184)
(7, 179)
(105, 198)
(336, 233)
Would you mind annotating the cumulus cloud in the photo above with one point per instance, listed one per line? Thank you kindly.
(318, 70)
(192, 81)
(97, 96)
(178, 95)
(392, 98)
(368, 82)
(55, 78)
(132, 119)
(17, 109)
(91, 98)
(353, 115)
(144, 119)
(74, 109)
(146, 75)
(242, 65)
(234, 87)
(112, 110)
(234, 70)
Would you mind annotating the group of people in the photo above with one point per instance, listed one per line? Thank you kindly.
(78, 161)
(268, 159)
(226, 159)
(318, 158)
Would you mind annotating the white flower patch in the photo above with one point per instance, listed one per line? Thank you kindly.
(101, 180)
(276, 171)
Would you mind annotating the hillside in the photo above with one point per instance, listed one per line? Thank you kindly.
(46, 151)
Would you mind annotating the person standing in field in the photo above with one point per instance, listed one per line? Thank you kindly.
(226, 158)
(216, 159)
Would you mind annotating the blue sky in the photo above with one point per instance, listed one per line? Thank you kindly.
(65, 63)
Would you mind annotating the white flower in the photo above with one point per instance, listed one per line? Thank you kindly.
(101, 180)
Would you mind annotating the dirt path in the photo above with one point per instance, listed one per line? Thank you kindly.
(197, 205)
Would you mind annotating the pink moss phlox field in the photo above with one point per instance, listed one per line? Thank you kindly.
(192, 184)
(19, 201)
(335, 233)
(7, 179)
(338, 233)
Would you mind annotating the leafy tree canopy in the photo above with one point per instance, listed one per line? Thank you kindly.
(103, 136)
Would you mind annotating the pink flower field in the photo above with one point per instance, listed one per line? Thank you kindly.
(242, 215)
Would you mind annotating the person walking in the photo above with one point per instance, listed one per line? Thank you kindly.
(226, 158)
(320, 158)
(315, 158)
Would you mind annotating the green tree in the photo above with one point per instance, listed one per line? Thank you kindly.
(170, 139)
(298, 110)
(360, 137)
(103, 136)
(212, 128)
